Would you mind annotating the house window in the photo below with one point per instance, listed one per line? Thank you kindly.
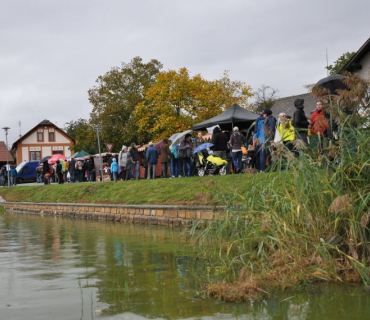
(51, 136)
(35, 155)
(57, 151)
(40, 135)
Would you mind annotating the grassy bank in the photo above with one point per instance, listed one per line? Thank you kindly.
(191, 191)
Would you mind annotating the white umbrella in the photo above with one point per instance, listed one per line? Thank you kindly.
(181, 136)
(173, 137)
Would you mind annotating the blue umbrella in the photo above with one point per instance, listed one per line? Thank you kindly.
(202, 147)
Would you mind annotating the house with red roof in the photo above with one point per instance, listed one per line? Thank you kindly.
(45, 139)
(5, 154)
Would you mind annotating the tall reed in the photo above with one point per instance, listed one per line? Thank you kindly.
(307, 222)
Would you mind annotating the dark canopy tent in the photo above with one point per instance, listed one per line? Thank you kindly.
(235, 115)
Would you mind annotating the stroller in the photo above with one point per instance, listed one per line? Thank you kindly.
(209, 164)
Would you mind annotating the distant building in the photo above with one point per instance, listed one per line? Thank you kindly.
(45, 139)
(360, 62)
(3, 154)
(286, 105)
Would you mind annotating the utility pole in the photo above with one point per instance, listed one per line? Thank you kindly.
(97, 129)
(7, 153)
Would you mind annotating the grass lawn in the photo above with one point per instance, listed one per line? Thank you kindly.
(185, 191)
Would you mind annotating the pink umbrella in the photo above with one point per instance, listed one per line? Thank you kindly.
(55, 157)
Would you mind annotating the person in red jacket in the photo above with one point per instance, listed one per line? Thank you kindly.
(319, 125)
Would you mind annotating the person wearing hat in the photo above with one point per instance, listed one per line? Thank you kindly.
(269, 128)
(300, 122)
(152, 158)
(237, 140)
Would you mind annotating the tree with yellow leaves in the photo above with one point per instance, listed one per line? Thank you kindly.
(176, 101)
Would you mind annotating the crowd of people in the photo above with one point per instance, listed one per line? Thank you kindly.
(252, 149)
(75, 170)
(240, 150)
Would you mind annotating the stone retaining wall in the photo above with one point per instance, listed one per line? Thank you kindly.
(143, 214)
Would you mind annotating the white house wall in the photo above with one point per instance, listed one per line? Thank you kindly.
(25, 154)
(67, 152)
(364, 72)
(31, 139)
(60, 138)
(46, 151)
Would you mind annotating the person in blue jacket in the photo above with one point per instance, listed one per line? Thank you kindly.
(152, 158)
(259, 151)
(114, 169)
(13, 176)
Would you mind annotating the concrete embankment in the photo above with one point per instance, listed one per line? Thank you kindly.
(143, 214)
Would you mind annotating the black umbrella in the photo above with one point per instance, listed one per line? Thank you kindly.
(333, 83)
(45, 159)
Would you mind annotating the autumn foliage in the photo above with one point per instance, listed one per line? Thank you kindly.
(177, 100)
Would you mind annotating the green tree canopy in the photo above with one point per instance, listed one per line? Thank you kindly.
(116, 96)
(82, 132)
(338, 64)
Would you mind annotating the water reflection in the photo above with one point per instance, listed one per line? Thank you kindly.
(54, 268)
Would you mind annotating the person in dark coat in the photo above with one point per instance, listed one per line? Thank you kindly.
(135, 160)
(59, 172)
(89, 168)
(165, 157)
(237, 141)
(71, 169)
(300, 122)
(219, 139)
(46, 172)
(185, 152)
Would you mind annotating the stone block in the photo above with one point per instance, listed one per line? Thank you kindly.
(220, 215)
(207, 215)
(170, 213)
(117, 217)
(182, 214)
(159, 212)
(131, 211)
(199, 214)
(190, 214)
(113, 211)
(147, 212)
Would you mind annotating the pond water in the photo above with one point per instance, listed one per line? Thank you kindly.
(56, 268)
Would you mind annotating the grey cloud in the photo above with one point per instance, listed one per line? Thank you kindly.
(52, 52)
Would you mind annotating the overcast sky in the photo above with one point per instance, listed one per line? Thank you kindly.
(51, 52)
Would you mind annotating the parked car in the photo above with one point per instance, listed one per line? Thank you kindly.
(26, 171)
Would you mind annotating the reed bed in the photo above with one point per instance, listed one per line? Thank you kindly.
(308, 222)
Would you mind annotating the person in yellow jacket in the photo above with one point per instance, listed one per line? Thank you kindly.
(286, 131)
(65, 166)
